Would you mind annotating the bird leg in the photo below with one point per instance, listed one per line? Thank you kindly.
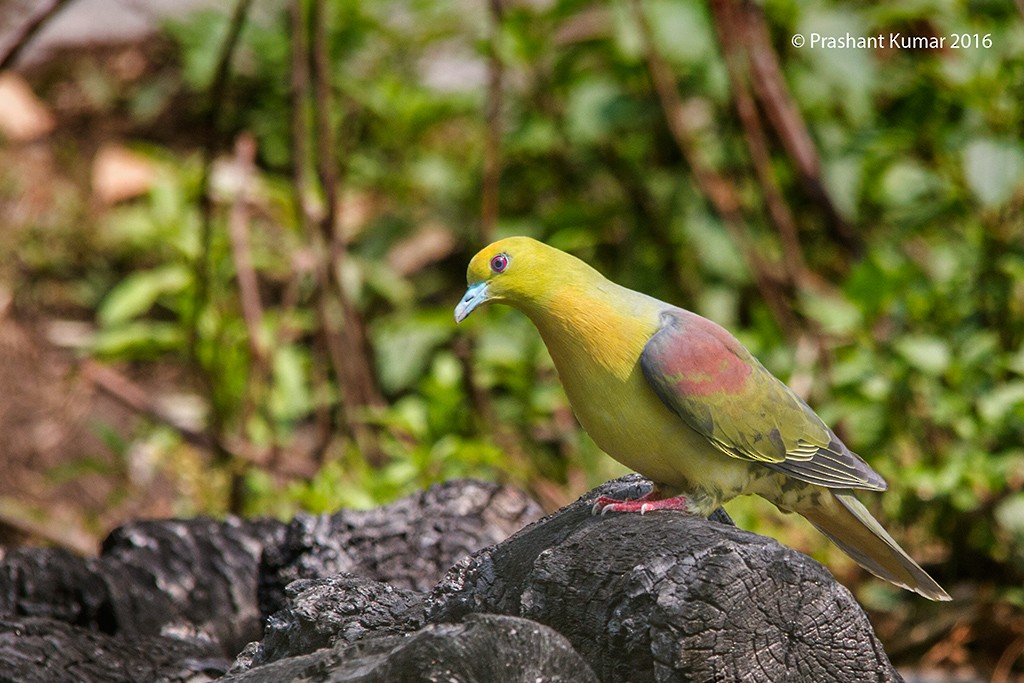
(645, 503)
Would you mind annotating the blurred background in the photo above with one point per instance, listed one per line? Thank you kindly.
(233, 235)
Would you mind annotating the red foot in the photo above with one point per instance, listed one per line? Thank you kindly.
(642, 504)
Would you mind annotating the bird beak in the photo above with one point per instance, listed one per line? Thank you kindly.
(474, 296)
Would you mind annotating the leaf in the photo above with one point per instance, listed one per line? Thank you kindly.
(843, 177)
(589, 108)
(1015, 362)
(137, 293)
(717, 253)
(403, 347)
(842, 79)
(997, 404)
(835, 314)
(927, 354)
(138, 340)
(993, 170)
(1009, 515)
(200, 37)
(681, 30)
(290, 398)
(906, 183)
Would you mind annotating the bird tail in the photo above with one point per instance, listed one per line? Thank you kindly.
(850, 526)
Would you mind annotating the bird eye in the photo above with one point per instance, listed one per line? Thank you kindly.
(499, 263)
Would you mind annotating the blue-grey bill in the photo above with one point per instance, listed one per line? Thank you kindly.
(474, 296)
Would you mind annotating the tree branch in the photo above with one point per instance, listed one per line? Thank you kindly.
(731, 26)
(735, 23)
(348, 346)
(24, 35)
(211, 137)
(715, 186)
(300, 97)
(137, 399)
(238, 231)
(773, 94)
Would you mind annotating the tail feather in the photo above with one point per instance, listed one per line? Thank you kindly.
(850, 526)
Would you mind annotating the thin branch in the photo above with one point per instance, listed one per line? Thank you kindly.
(1014, 652)
(489, 205)
(239, 223)
(22, 38)
(733, 21)
(326, 164)
(211, 136)
(300, 96)
(137, 399)
(731, 27)
(338, 345)
(241, 252)
(783, 114)
(714, 185)
(348, 346)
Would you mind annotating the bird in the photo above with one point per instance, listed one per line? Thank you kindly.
(678, 399)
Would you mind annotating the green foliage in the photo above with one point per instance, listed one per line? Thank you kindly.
(920, 151)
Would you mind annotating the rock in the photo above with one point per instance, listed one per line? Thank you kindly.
(341, 608)
(484, 649)
(408, 544)
(55, 584)
(190, 587)
(42, 650)
(194, 579)
(198, 575)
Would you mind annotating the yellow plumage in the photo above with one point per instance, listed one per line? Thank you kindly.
(595, 332)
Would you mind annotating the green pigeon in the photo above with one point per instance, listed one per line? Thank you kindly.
(678, 399)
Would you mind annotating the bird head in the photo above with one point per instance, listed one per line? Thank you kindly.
(516, 271)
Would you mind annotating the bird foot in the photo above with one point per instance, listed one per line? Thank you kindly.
(642, 504)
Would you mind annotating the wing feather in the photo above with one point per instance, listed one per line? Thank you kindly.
(704, 375)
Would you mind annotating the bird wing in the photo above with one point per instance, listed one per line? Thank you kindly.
(704, 375)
